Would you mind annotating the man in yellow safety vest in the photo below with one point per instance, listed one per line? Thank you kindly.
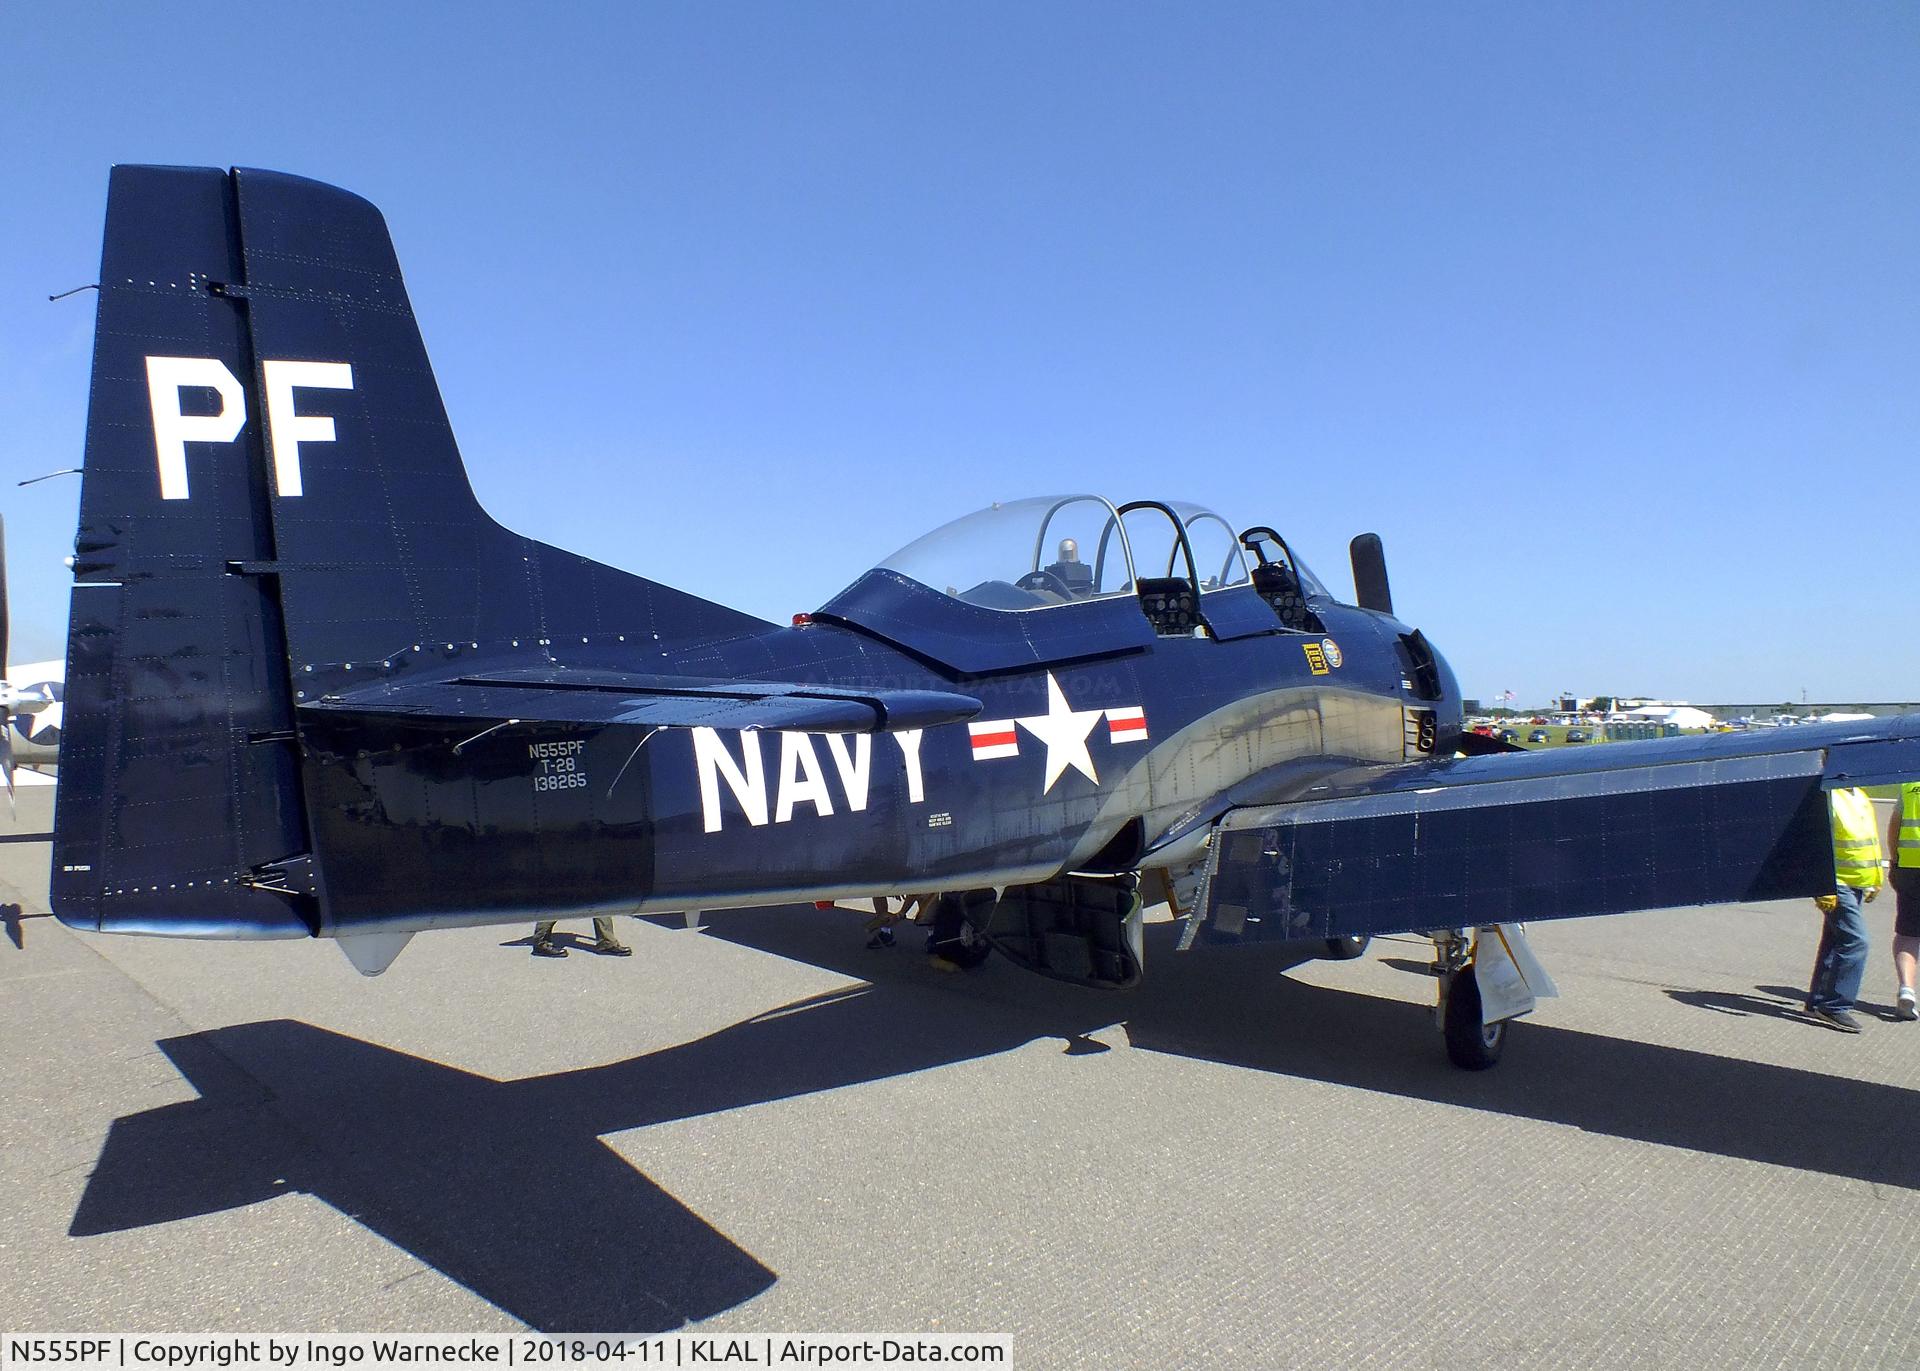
(1903, 844)
(1841, 963)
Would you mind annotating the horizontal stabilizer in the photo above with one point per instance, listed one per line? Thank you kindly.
(572, 696)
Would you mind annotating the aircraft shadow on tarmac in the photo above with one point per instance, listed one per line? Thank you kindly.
(504, 1187)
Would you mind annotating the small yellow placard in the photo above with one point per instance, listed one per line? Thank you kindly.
(1316, 659)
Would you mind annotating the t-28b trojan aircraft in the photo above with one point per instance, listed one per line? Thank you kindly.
(313, 690)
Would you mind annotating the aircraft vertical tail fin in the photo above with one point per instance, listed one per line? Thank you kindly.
(379, 540)
(272, 505)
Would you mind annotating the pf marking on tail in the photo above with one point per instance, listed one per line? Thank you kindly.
(287, 428)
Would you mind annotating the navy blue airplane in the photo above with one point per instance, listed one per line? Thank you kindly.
(314, 690)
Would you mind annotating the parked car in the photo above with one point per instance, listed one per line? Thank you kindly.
(1539, 735)
(1507, 735)
(1579, 735)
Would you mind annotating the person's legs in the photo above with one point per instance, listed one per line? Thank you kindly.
(1841, 962)
(1906, 960)
(1906, 938)
(1820, 987)
(543, 940)
(603, 940)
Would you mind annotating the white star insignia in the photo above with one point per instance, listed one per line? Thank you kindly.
(1065, 733)
(38, 723)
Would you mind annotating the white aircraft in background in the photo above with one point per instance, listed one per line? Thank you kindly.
(30, 696)
(30, 700)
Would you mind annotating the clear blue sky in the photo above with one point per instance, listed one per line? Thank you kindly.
(1606, 317)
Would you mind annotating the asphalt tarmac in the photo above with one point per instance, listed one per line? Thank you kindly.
(763, 1127)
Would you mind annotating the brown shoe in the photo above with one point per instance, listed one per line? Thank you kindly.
(610, 948)
(544, 947)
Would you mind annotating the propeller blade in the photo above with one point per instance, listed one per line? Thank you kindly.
(1370, 574)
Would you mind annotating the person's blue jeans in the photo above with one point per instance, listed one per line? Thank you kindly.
(1841, 963)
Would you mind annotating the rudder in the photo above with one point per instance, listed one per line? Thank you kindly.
(171, 793)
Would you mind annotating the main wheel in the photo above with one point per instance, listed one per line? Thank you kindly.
(1346, 949)
(1471, 1045)
(954, 938)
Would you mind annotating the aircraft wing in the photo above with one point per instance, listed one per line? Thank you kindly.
(564, 695)
(1544, 835)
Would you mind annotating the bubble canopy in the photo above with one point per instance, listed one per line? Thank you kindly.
(1058, 549)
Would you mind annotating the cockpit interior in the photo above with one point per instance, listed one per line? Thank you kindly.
(1042, 553)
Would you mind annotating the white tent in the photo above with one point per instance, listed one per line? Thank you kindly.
(1680, 716)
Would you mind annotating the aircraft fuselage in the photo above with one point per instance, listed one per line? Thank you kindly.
(532, 819)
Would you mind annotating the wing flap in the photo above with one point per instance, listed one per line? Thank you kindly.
(568, 696)
(1745, 827)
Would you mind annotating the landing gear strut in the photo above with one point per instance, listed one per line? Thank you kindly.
(1471, 1044)
(953, 938)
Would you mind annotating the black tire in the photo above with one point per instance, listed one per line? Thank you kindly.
(953, 938)
(1346, 949)
(1471, 1045)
